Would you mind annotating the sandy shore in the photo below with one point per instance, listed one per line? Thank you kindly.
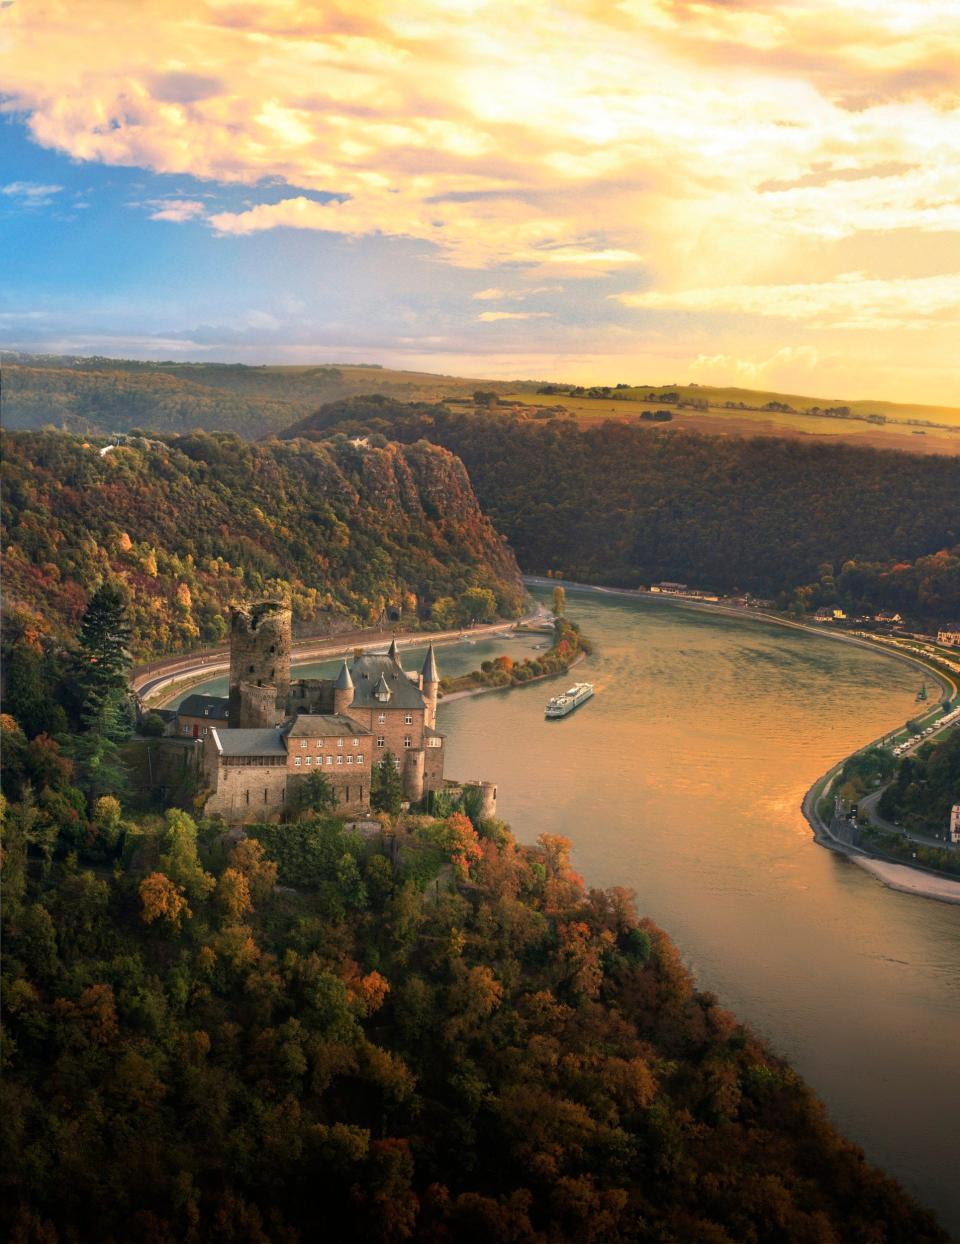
(908, 880)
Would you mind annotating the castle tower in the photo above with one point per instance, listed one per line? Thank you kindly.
(343, 690)
(260, 641)
(393, 652)
(430, 686)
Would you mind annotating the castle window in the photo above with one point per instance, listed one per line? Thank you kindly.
(297, 761)
(396, 763)
(273, 648)
(340, 742)
(356, 742)
(349, 760)
(380, 740)
(251, 669)
(434, 742)
(308, 760)
(265, 794)
(319, 742)
(359, 758)
(329, 760)
(408, 719)
(303, 743)
(381, 718)
(407, 741)
(247, 793)
(339, 760)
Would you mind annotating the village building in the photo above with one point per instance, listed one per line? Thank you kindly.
(197, 713)
(257, 746)
(888, 617)
(949, 635)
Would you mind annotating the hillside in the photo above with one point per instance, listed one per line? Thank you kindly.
(194, 522)
(436, 1036)
(101, 395)
(618, 504)
(97, 395)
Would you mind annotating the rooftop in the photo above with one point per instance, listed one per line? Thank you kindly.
(215, 706)
(320, 724)
(366, 672)
(264, 742)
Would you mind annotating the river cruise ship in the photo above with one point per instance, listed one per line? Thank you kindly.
(572, 698)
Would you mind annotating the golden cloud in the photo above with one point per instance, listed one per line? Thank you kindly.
(710, 144)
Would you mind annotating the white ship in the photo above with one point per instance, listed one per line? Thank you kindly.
(572, 698)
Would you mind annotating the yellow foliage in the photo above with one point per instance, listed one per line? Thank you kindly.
(162, 899)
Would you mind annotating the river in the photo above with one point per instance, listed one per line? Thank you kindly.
(683, 779)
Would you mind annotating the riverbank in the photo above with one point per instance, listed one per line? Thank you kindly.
(470, 691)
(160, 681)
(906, 878)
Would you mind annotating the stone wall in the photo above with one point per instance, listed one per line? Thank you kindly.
(260, 642)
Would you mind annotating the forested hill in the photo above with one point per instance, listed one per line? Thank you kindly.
(194, 1053)
(192, 523)
(620, 504)
(100, 395)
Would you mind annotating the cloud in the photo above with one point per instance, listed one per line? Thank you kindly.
(852, 301)
(488, 317)
(743, 146)
(177, 210)
(784, 366)
(30, 193)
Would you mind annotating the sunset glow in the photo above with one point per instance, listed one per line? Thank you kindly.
(753, 192)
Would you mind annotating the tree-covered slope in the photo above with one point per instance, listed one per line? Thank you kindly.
(620, 504)
(193, 523)
(193, 1055)
(100, 395)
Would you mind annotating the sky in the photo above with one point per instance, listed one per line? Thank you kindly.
(752, 192)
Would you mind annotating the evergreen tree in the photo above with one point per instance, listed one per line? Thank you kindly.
(386, 786)
(25, 697)
(102, 662)
(313, 794)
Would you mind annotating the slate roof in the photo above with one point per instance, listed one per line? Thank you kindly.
(366, 672)
(317, 725)
(430, 671)
(263, 742)
(216, 707)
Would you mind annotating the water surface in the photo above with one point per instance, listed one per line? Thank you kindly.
(683, 779)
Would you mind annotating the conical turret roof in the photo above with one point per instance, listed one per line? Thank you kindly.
(382, 691)
(393, 652)
(344, 681)
(430, 671)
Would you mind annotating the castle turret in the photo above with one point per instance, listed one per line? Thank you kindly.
(430, 686)
(343, 690)
(393, 652)
(260, 641)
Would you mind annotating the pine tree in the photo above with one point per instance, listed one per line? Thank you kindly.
(386, 786)
(102, 661)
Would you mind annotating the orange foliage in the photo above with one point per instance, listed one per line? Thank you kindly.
(162, 899)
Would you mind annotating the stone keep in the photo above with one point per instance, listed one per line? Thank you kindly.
(260, 639)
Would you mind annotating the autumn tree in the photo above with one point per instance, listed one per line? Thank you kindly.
(162, 899)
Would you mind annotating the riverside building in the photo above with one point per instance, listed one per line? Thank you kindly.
(273, 732)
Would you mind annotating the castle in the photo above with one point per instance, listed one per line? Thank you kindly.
(271, 732)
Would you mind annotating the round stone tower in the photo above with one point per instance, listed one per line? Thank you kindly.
(260, 640)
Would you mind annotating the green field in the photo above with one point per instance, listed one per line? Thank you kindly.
(917, 429)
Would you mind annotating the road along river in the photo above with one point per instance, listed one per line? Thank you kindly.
(683, 778)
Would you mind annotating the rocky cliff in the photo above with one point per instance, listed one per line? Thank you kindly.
(191, 523)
